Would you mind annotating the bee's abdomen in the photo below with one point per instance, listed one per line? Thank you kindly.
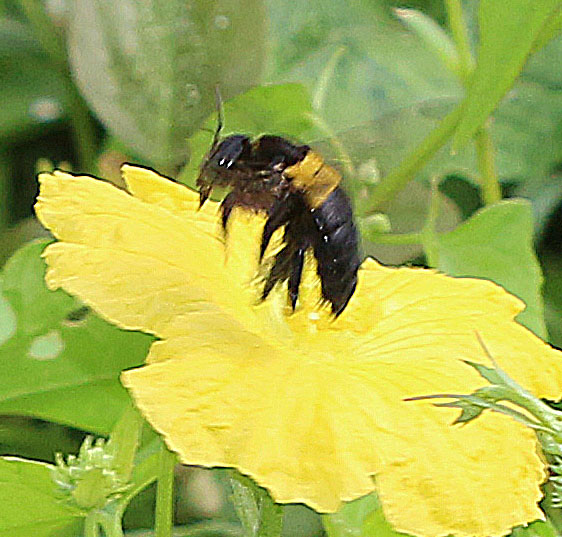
(336, 248)
(313, 178)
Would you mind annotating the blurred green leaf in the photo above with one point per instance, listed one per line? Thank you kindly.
(542, 67)
(408, 213)
(433, 36)
(497, 244)
(526, 133)
(384, 67)
(283, 109)
(33, 97)
(36, 308)
(552, 266)
(5, 176)
(551, 29)
(57, 364)
(15, 38)
(149, 69)
(391, 85)
(360, 518)
(508, 33)
(17, 235)
(35, 439)
(33, 93)
(29, 504)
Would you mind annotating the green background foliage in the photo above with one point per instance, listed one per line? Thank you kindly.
(444, 117)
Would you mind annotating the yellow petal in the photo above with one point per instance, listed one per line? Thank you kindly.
(147, 185)
(314, 428)
(313, 408)
(144, 265)
(424, 313)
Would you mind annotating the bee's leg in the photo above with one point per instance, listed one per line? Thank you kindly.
(204, 193)
(227, 205)
(279, 215)
(297, 263)
(280, 271)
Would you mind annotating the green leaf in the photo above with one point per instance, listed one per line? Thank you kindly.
(15, 38)
(552, 266)
(540, 528)
(29, 504)
(245, 500)
(551, 29)
(489, 373)
(359, 518)
(468, 411)
(508, 33)
(496, 244)
(526, 135)
(38, 309)
(542, 65)
(283, 109)
(384, 67)
(59, 361)
(259, 515)
(149, 69)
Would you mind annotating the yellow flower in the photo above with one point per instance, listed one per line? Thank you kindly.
(312, 408)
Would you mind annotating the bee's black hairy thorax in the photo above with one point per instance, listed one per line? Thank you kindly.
(296, 189)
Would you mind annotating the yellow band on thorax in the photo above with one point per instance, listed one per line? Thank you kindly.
(314, 178)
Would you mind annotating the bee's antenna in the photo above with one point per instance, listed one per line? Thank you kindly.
(220, 117)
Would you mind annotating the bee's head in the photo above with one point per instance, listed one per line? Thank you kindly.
(219, 168)
(228, 151)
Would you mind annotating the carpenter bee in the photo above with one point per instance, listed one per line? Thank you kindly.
(295, 188)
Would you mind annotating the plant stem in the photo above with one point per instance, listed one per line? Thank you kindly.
(429, 233)
(5, 169)
(460, 37)
(52, 43)
(165, 493)
(489, 182)
(91, 528)
(83, 130)
(491, 190)
(111, 523)
(325, 77)
(271, 518)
